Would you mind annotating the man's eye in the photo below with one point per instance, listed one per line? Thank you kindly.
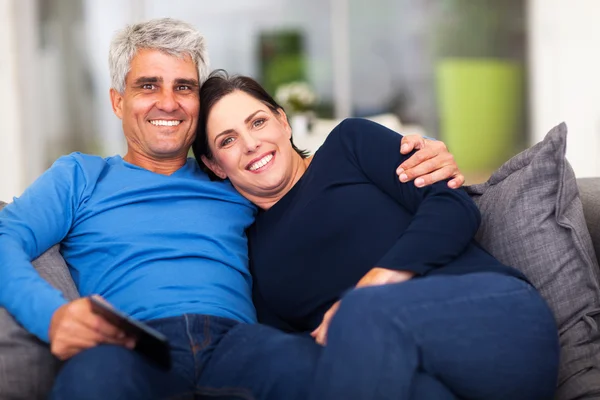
(258, 122)
(226, 141)
(183, 87)
(148, 86)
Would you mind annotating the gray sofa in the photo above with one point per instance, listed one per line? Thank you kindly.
(589, 191)
(536, 216)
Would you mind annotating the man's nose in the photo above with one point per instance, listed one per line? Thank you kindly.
(167, 101)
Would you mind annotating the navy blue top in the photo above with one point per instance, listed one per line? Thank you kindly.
(349, 213)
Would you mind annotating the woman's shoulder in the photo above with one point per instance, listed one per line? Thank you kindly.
(357, 135)
(357, 128)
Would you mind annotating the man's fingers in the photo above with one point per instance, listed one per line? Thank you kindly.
(410, 143)
(419, 157)
(76, 336)
(425, 167)
(436, 176)
(457, 181)
(103, 327)
(66, 347)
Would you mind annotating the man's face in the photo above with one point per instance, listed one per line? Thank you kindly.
(160, 105)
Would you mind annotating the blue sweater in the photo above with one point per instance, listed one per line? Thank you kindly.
(153, 245)
(349, 213)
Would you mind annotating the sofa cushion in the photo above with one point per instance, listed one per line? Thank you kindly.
(27, 368)
(532, 219)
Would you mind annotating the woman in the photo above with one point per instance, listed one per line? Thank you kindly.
(433, 317)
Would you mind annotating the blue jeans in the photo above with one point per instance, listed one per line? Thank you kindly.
(477, 336)
(212, 357)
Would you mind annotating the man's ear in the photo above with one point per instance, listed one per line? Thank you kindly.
(116, 99)
(283, 118)
(214, 167)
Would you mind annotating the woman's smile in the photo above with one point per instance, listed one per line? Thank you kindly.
(261, 163)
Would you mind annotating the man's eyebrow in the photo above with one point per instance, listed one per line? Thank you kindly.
(190, 82)
(147, 79)
(227, 131)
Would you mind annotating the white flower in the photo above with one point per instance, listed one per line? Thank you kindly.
(296, 96)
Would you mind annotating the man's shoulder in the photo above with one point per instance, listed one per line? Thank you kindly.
(84, 162)
(86, 159)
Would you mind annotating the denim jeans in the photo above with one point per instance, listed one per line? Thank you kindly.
(212, 357)
(479, 336)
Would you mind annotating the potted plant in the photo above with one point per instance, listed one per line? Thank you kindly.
(298, 99)
(479, 79)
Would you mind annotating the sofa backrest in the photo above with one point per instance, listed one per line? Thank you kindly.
(589, 190)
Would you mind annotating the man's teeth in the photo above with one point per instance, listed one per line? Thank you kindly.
(261, 163)
(161, 122)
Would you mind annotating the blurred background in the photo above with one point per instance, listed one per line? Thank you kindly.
(488, 77)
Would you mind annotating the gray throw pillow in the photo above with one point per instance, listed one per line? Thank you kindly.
(27, 368)
(532, 219)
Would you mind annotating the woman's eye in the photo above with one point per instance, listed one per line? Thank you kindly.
(258, 122)
(226, 141)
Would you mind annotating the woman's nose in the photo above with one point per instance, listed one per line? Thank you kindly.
(252, 143)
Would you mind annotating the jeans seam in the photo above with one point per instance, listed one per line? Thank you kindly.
(192, 345)
(202, 346)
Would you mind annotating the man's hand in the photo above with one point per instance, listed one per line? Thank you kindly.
(376, 276)
(74, 328)
(431, 163)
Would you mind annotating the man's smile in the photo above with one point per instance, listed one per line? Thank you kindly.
(164, 122)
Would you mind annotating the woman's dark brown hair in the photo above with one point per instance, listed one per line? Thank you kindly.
(218, 85)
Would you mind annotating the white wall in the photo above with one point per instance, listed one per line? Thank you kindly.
(12, 175)
(565, 76)
(22, 137)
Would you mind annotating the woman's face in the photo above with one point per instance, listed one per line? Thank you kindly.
(251, 146)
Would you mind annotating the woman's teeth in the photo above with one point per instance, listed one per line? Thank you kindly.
(261, 163)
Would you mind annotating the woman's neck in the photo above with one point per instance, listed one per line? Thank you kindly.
(266, 202)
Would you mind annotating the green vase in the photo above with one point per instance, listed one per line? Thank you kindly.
(481, 110)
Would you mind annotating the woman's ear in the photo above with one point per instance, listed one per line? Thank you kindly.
(283, 118)
(214, 167)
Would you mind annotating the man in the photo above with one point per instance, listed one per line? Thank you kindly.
(155, 237)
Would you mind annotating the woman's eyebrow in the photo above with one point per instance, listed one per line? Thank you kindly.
(227, 131)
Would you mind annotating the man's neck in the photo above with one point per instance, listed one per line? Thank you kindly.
(165, 166)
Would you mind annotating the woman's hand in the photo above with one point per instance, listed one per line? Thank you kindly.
(376, 276)
(431, 163)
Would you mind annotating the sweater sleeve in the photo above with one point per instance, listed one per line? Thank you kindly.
(444, 220)
(30, 225)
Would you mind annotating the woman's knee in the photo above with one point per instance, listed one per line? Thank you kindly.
(369, 305)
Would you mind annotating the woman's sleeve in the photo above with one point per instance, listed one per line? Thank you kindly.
(444, 220)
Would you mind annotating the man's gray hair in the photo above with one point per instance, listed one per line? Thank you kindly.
(171, 36)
